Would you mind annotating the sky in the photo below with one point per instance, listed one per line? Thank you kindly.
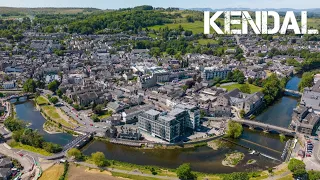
(215, 4)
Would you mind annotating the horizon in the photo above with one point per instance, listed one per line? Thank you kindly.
(186, 4)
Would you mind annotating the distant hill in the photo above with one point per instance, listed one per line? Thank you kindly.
(46, 10)
(315, 12)
(256, 9)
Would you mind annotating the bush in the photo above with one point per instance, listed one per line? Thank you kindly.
(234, 129)
(184, 172)
(74, 152)
(99, 159)
(54, 100)
(297, 167)
(236, 176)
(65, 171)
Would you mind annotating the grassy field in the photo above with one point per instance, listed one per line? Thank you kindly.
(288, 177)
(133, 177)
(53, 173)
(51, 112)
(29, 148)
(40, 100)
(196, 27)
(206, 41)
(8, 10)
(231, 87)
(83, 173)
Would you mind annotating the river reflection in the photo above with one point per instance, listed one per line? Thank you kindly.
(203, 159)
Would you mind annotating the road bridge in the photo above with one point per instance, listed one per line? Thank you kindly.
(79, 142)
(265, 127)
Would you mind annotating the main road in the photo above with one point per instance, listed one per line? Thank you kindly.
(87, 124)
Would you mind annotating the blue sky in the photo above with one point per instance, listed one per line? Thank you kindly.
(115, 4)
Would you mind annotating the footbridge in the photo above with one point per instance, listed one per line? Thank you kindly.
(290, 92)
(265, 127)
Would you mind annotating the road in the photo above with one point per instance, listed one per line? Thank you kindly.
(81, 117)
(26, 160)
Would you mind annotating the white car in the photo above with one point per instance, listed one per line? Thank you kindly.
(97, 126)
(105, 127)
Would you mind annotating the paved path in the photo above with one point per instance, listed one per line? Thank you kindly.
(128, 172)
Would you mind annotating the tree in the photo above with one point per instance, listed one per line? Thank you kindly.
(184, 172)
(95, 118)
(59, 93)
(99, 159)
(272, 89)
(14, 124)
(314, 175)
(29, 86)
(306, 80)
(98, 109)
(236, 176)
(52, 148)
(297, 167)
(1, 95)
(245, 88)
(242, 113)
(76, 153)
(234, 129)
(53, 86)
(54, 100)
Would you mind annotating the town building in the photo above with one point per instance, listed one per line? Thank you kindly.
(209, 73)
(242, 101)
(9, 85)
(305, 121)
(170, 125)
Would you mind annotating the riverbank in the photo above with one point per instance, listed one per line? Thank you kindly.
(54, 122)
(21, 146)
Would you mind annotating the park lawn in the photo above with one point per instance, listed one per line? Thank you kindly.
(231, 87)
(51, 112)
(53, 173)
(40, 100)
(18, 145)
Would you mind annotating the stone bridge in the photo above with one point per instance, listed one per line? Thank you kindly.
(265, 127)
(17, 97)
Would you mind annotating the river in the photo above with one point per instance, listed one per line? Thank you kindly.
(203, 159)
(27, 112)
